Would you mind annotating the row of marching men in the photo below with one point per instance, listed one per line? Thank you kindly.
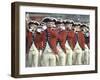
(56, 42)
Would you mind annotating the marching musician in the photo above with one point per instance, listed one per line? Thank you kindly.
(80, 43)
(50, 51)
(31, 50)
(70, 41)
(61, 42)
(86, 52)
(40, 40)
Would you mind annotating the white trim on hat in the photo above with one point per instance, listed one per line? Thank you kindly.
(63, 28)
(39, 30)
(44, 27)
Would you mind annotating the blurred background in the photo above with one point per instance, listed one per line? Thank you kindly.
(77, 18)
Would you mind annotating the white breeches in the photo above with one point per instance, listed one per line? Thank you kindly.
(86, 55)
(69, 54)
(77, 55)
(33, 56)
(61, 56)
(48, 57)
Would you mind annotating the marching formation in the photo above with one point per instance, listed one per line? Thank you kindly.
(57, 42)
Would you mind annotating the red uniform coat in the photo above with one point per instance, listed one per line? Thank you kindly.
(40, 40)
(52, 39)
(81, 39)
(71, 39)
(29, 40)
(62, 39)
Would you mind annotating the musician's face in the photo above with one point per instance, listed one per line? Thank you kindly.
(51, 24)
(32, 28)
(68, 26)
(61, 26)
(44, 26)
(77, 28)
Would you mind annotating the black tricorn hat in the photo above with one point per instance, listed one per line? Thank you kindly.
(59, 21)
(47, 19)
(84, 26)
(54, 19)
(76, 24)
(67, 21)
(33, 22)
(71, 22)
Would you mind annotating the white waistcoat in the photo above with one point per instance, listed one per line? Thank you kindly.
(33, 49)
(47, 48)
